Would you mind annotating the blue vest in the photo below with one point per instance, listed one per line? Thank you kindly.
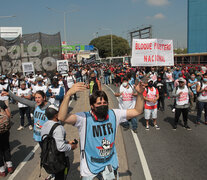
(193, 88)
(39, 120)
(100, 149)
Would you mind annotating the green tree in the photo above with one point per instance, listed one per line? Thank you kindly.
(103, 43)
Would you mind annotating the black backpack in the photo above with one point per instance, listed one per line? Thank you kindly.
(52, 160)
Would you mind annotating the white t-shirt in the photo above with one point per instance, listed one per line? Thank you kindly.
(70, 81)
(39, 88)
(81, 125)
(184, 97)
(15, 83)
(56, 92)
(202, 97)
(2, 88)
(24, 92)
(126, 100)
(169, 76)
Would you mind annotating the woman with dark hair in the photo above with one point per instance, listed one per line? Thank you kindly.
(40, 104)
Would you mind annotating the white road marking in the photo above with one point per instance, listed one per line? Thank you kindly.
(21, 165)
(140, 152)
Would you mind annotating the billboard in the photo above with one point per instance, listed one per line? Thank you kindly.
(77, 47)
(197, 26)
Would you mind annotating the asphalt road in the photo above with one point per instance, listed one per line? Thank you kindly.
(179, 154)
(176, 155)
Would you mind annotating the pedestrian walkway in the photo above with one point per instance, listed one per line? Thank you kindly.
(82, 104)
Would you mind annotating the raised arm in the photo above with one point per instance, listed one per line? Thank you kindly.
(63, 111)
(131, 113)
(19, 99)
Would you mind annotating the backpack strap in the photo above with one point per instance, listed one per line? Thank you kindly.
(53, 128)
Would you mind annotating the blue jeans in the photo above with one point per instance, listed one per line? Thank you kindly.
(78, 79)
(133, 123)
(106, 80)
(201, 106)
(169, 85)
(84, 78)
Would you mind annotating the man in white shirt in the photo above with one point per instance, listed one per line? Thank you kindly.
(55, 93)
(127, 100)
(39, 86)
(71, 81)
(168, 76)
(24, 109)
(31, 80)
(97, 130)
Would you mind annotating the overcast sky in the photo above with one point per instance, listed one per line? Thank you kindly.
(167, 17)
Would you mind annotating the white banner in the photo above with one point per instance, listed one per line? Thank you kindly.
(28, 68)
(152, 52)
(62, 66)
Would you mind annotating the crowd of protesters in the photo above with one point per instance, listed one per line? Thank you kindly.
(163, 79)
(187, 86)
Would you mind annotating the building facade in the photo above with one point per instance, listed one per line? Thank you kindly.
(197, 26)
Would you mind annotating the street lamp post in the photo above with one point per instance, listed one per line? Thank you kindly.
(64, 19)
(108, 29)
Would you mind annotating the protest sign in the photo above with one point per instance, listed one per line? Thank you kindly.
(152, 52)
(28, 68)
(90, 60)
(62, 66)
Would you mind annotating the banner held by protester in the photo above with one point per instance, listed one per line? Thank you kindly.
(28, 68)
(92, 59)
(152, 52)
(62, 66)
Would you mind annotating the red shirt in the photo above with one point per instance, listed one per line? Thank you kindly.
(150, 90)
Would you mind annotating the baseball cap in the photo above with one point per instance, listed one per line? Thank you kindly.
(181, 79)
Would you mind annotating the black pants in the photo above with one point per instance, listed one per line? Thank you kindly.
(184, 112)
(5, 154)
(61, 175)
(22, 112)
(162, 100)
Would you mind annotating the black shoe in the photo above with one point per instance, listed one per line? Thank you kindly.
(135, 130)
(125, 128)
(187, 128)
(174, 127)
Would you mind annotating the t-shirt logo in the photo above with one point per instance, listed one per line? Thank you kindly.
(106, 148)
(38, 125)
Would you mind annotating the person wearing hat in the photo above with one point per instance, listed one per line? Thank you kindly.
(181, 93)
(151, 95)
(39, 86)
(127, 101)
(24, 109)
(59, 134)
